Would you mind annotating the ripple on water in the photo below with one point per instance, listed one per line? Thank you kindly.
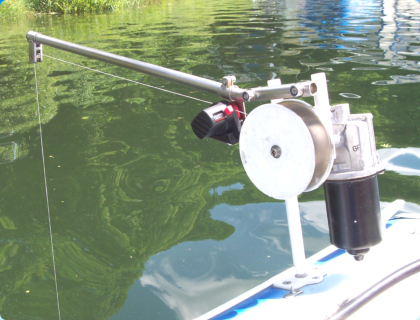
(369, 69)
(325, 69)
(410, 78)
(350, 95)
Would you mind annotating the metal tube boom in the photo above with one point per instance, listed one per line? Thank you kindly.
(230, 92)
(144, 67)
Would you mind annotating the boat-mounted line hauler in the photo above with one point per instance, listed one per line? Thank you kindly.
(287, 147)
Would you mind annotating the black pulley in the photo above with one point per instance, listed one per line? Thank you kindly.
(354, 214)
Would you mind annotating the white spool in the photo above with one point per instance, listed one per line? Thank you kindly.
(288, 175)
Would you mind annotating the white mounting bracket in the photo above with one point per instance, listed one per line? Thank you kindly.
(294, 283)
(303, 276)
(275, 83)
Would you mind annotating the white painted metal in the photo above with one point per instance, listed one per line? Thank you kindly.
(275, 83)
(274, 125)
(296, 238)
(322, 102)
(292, 283)
(303, 275)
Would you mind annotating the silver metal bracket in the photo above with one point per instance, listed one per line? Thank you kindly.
(294, 283)
(228, 81)
(35, 52)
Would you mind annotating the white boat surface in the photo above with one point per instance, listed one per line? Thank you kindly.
(345, 278)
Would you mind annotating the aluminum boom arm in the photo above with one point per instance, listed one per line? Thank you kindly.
(224, 89)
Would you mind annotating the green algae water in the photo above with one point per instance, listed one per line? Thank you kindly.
(148, 221)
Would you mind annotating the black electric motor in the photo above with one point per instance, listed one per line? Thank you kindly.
(354, 214)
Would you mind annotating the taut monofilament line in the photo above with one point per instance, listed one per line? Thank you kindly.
(46, 192)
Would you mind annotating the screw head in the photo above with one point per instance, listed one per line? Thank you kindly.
(275, 151)
(287, 282)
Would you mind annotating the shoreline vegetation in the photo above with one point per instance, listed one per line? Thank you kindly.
(20, 8)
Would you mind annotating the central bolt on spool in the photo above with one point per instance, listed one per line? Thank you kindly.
(275, 151)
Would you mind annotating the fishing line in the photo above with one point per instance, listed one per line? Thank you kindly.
(46, 191)
(118, 77)
(307, 67)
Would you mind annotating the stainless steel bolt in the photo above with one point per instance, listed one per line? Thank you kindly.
(275, 151)
(359, 257)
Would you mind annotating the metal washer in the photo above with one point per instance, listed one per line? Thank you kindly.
(270, 126)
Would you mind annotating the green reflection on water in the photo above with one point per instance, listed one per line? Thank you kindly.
(127, 178)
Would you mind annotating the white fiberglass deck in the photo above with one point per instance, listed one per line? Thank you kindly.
(345, 278)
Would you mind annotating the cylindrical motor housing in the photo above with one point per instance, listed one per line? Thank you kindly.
(354, 214)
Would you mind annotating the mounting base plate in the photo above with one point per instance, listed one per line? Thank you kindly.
(294, 283)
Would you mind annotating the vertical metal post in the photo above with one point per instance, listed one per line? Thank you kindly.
(303, 275)
(322, 103)
(275, 83)
(296, 236)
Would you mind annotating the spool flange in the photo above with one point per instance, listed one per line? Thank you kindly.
(320, 137)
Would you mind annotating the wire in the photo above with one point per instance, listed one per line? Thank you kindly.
(133, 81)
(307, 67)
(42, 146)
(46, 192)
(353, 305)
(118, 77)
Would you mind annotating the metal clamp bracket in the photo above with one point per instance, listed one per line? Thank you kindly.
(228, 81)
(35, 52)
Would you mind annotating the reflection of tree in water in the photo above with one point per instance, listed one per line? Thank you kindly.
(18, 107)
(115, 201)
(8, 152)
(109, 217)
